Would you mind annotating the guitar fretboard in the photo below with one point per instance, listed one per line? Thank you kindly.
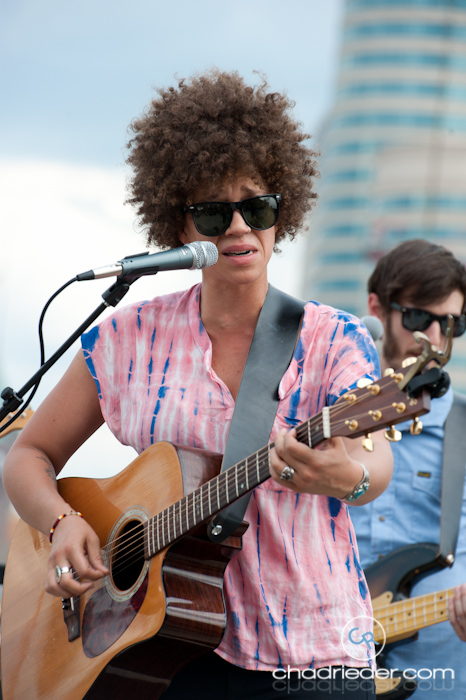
(411, 614)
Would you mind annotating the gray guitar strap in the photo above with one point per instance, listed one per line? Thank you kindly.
(256, 405)
(453, 471)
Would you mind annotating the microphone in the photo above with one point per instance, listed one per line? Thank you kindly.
(374, 325)
(192, 256)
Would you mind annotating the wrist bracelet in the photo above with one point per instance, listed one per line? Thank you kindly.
(360, 488)
(60, 517)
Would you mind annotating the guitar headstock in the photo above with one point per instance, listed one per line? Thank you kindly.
(377, 405)
(18, 424)
(384, 403)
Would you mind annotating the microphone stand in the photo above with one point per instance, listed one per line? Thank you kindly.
(12, 400)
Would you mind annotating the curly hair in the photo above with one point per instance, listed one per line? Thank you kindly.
(211, 129)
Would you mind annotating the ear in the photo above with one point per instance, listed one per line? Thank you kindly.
(183, 237)
(375, 307)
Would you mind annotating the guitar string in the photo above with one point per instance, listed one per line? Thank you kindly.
(410, 608)
(302, 435)
(199, 498)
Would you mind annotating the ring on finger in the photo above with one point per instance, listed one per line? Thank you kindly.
(60, 570)
(287, 473)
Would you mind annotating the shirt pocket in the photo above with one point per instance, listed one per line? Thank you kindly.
(424, 509)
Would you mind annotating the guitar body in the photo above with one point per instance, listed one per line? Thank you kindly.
(125, 630)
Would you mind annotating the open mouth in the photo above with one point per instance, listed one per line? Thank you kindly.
(239, 252)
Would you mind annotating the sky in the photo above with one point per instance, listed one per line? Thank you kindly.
(72, 78)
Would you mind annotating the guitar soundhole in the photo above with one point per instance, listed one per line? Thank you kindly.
(128, 555)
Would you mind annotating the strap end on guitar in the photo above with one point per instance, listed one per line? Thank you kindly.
(227, 521)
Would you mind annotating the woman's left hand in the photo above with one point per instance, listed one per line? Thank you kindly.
(329, 470)
(334, 469)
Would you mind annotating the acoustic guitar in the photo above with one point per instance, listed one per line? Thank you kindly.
(162, 603)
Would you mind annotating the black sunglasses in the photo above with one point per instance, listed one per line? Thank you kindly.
(419, 320)
(213, 218)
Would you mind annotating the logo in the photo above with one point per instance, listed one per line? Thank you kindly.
(360, 635)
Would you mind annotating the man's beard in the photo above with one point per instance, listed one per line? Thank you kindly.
(390, 348)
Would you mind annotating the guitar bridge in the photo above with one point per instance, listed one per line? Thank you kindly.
(71, 607)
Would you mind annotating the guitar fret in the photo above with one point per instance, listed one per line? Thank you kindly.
(236, 480)
(257, 466)
(158, 532)
(174, 521)
(227, 495)
(218, 492)
(202, 504)
(243, 474)
(194, 508)
(309, 436)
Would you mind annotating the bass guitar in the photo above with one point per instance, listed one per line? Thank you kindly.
(401, 617)
(162, 603)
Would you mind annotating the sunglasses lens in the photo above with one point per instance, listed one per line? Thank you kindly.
(212, 218)
(416, 319)
(261, 213)
(459, 326)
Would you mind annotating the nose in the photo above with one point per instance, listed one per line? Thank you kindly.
(434, 334)
(238, 226)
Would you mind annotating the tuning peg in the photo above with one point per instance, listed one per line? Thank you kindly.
(392, 434)
(368, 443)
(388, 372)
(416, 427)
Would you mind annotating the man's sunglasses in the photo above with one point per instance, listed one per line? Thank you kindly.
(419, 320)
(213, 218)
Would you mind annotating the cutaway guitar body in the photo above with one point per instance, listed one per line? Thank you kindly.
(128, 627)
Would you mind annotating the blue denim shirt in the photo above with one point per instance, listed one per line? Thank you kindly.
(406, 513)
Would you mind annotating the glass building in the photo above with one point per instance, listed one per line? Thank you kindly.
(393, 148)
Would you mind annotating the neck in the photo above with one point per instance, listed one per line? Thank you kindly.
(232, 306)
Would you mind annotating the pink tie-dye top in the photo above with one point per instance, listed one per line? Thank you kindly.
(297, 581)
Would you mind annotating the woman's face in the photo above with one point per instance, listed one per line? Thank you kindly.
(243, 252)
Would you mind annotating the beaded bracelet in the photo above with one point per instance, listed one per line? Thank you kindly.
(60, 517)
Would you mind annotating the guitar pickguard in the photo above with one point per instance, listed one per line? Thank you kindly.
(106, 619)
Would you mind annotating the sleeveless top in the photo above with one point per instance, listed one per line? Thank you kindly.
(297, 581)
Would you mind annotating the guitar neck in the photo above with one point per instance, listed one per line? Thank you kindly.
(230, 485)
(411, 614)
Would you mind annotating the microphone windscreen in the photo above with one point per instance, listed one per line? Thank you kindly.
(206, 253)
(374, 325)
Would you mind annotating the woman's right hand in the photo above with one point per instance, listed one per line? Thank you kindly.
(74, 545)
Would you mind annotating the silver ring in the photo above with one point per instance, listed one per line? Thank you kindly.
(59, 571)
(287, 473)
